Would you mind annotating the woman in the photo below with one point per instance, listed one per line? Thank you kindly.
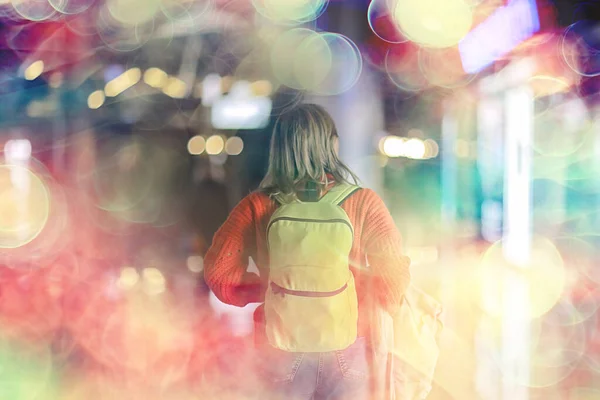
(303, 166)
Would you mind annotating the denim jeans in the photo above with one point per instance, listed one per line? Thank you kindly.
(336, 375)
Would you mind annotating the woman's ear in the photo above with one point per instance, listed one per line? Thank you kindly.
(336, 145)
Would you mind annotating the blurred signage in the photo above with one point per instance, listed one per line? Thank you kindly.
(251, 113)
(499, 34)
(241, 109)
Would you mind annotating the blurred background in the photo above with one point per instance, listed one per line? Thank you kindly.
(130, 128)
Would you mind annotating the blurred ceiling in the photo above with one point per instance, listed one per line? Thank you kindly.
(215, 39)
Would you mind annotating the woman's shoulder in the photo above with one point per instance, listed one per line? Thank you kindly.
(258, 195)
(256, 200)
(365, 200)
(365, 195)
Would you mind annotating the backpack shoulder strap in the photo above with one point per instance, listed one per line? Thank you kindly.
(339, 193)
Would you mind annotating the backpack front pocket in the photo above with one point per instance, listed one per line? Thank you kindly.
(309, 321)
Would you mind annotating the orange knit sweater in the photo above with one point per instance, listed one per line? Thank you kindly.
(243, 235)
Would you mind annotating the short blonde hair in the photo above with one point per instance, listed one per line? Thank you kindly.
(303, 151)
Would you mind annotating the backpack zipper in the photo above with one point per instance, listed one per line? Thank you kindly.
(325, 221)
(280, 290)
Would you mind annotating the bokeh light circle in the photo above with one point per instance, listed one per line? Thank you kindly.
(71, 6)
(563, 129)
(34, 10)
(584, 393)
(286, 99)
(434, 23)
(255, 67)
(555, 352)
(392, 146)
(580, 311)
(290, 12)
(581, 255)
(578, 54)
(24, 206)
(215, 145)
(382, 23)
(151, 171)
(313, 61)
(55, 235)
(123, 176)
(415, 148)
(559, 342)
(545, 265)
(196, 145)
(402, 67)
(283, 55)
(121, 37)
(552, 352)
(346, 65)
(185, 10)
(443, 67)
(234, 146)
(130, 339)
(324, 64)
(83, 23)
(133, 12)
(432, 148)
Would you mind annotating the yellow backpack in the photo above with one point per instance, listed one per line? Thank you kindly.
(311, 302)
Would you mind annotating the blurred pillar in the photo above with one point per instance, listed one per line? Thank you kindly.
(517, 241)
(359, 116)
(509, 91)
(449, 205)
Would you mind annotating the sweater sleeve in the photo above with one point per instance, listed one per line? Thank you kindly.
(226, 262)
(383, 248)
